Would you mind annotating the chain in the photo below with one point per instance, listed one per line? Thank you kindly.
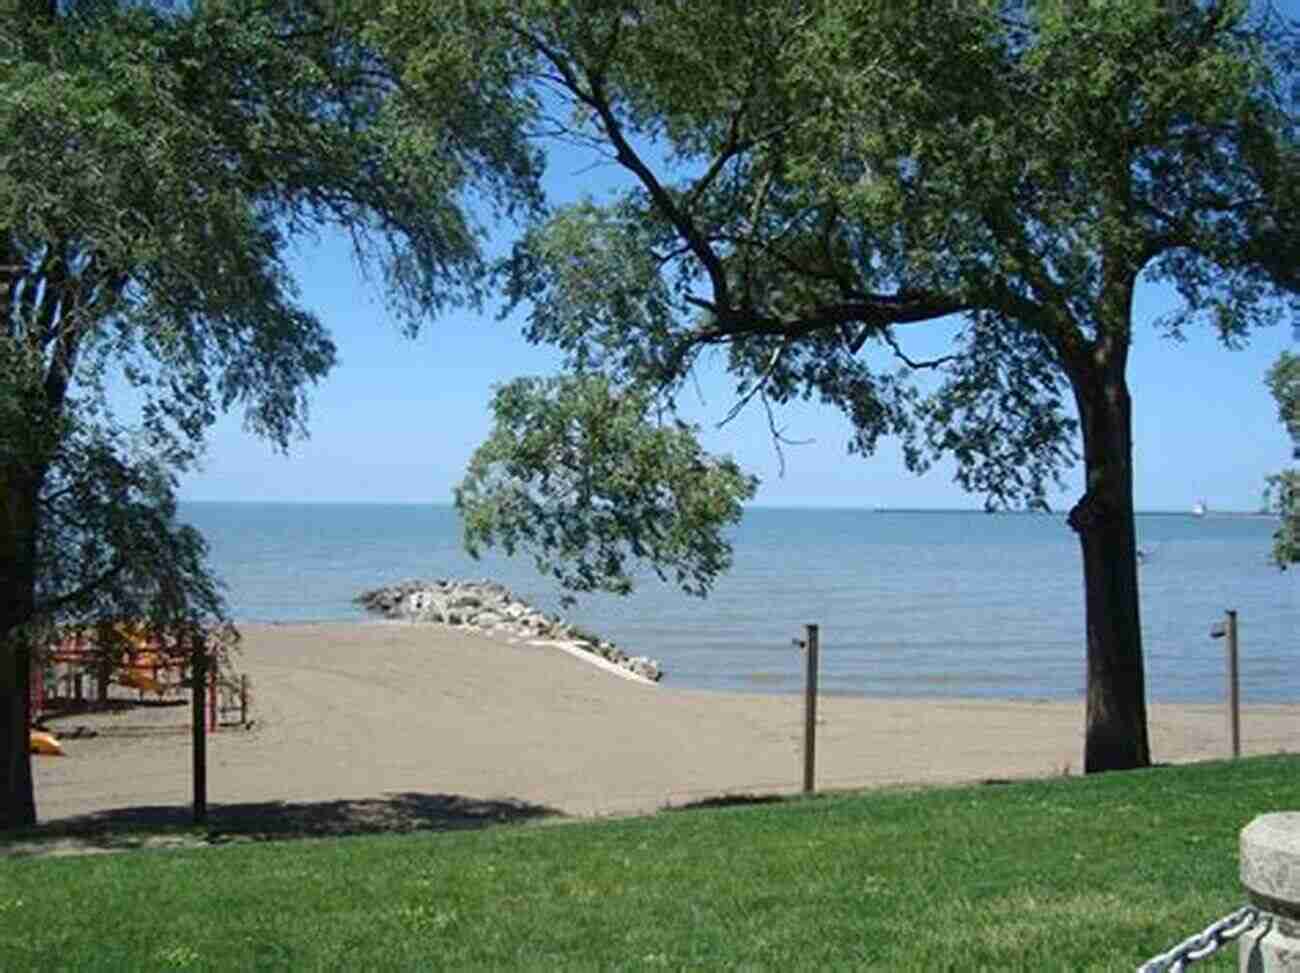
(1204, 944)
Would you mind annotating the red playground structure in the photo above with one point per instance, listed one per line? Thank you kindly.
(69, 668)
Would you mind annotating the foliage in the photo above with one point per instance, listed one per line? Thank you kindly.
(1283, 381)
(1096, 874)
(1283, 497)
(1283, 493)
(810, 184)
(833, 179)
(575, 472)
(158, 162)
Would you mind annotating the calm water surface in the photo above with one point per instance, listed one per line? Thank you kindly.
(909, 603)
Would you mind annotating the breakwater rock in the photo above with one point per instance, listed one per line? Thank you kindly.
(488, 606)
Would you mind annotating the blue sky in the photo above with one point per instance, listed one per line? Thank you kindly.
(398, 418)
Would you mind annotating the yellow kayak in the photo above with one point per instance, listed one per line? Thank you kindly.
(41, 742)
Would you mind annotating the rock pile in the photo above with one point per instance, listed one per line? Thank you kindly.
(488, 606)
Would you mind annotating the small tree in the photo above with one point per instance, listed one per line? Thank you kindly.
(1283, 493)
(575, 474)
(812, 181)
(157, 160)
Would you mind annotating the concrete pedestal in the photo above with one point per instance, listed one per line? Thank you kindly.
(1270, 874)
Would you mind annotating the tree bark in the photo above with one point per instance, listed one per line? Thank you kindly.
(18, 506)
(1116, 723)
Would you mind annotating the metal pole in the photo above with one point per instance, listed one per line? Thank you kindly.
(1234, 695)
(810, 711)
(198, 673)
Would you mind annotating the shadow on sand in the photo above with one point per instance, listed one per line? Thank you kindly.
(122, 829)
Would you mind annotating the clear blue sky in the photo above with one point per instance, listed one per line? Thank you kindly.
(398, 418)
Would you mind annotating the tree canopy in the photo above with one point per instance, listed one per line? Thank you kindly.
(156, 164)
(810, 183)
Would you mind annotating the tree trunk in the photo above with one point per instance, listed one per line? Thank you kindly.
(1116, 729)
(17, 598)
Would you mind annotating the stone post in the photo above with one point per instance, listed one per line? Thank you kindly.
(1270, 873)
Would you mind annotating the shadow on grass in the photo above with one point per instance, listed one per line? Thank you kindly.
(729, 800)
(122, 829)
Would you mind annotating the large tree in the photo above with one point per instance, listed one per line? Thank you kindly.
(811, 183)
(156, 162)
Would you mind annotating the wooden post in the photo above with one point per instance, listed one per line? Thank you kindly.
(1234, 693)
(1228, 629)
(810, 710)
(243, 699)
(198, 684)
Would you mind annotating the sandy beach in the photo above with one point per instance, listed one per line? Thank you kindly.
(412, 723)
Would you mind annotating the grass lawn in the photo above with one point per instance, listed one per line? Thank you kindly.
(1059, 874)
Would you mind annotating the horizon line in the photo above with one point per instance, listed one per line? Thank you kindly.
(862, 508)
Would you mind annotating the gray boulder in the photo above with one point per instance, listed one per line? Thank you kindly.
(490, 605)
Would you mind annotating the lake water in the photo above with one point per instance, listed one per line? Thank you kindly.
(909, 603)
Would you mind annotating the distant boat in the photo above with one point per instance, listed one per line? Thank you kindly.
(1198, 508)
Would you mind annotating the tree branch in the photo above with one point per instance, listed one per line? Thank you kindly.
(902, 356)
(55, 272)
(878, 311)
(682, 223)
(49, 608)
(785, 259)
(778, 436)
(595, 98)
(758, 388)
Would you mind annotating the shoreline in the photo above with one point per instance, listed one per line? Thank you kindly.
(982, 607)
(668, 683)
(396, 715)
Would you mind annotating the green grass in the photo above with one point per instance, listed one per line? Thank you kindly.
(1059, 874)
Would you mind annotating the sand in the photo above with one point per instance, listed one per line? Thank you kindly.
(417, 724)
